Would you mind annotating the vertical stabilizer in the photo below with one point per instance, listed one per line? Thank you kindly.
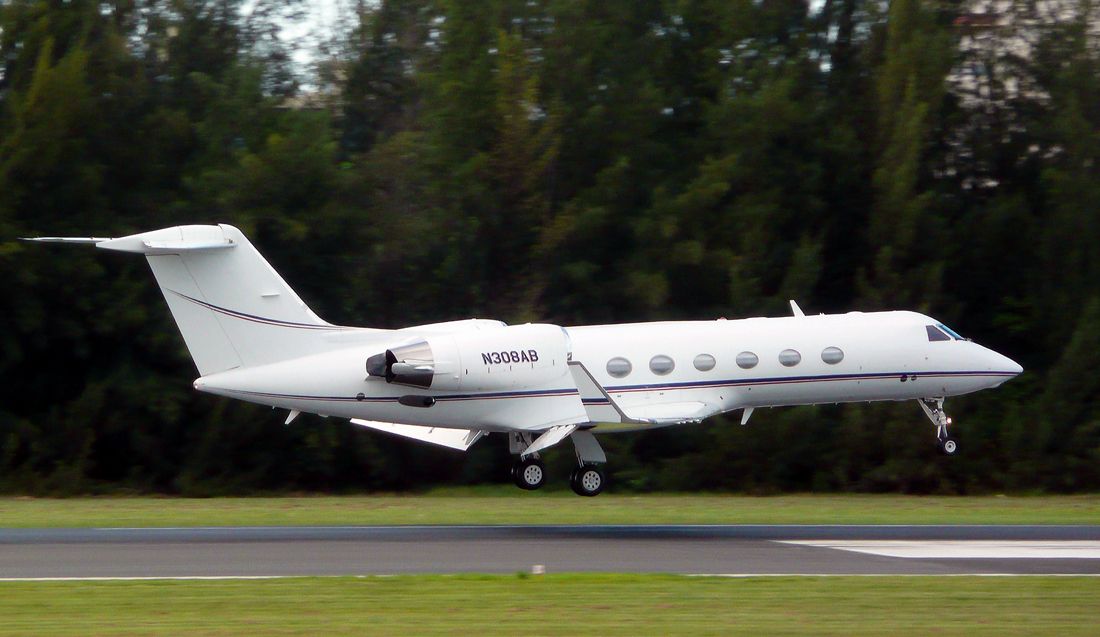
(232, 307)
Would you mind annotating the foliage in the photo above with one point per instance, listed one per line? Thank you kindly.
(573, 162)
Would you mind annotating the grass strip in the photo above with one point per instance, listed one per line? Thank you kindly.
(556, 604)
(510, 507)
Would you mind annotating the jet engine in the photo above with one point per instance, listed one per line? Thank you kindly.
(510, 357)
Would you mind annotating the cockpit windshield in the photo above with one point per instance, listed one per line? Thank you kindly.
(940, 332)
(955, 335)
(934, 334)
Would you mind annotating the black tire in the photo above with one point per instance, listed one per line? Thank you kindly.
(529, 474)
(949, 446)
(588, 480)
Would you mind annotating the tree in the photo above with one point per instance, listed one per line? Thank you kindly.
(904, 225)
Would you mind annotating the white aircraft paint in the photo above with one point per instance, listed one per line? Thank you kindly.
(252, 338)
(964, 549)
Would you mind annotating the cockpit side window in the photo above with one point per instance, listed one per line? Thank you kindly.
(934, 334)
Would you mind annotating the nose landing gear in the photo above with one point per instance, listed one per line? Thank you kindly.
(933, 408)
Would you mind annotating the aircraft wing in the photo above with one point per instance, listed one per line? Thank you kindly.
(602, 408)
(676, 413)
(461, 439)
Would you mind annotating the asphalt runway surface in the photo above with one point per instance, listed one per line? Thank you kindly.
(714, 550)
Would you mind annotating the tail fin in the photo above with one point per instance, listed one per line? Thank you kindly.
(232, 307)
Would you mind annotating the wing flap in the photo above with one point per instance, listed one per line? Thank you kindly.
(460, 439)
(675, 413)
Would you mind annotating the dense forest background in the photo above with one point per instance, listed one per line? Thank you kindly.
(564, 161)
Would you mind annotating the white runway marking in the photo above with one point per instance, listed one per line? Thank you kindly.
(964, 549)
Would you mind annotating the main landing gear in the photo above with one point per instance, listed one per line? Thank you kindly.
(529, 474)
(933, 408)
(588, 479)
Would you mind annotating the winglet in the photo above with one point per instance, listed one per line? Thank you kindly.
(796, 310)
(598, 404)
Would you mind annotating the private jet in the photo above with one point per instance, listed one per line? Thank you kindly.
(253, 339)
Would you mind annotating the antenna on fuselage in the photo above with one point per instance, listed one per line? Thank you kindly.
(796, 310)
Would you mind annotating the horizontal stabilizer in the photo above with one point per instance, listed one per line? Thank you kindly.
(172, 240)
(549, 438)
(66, 239)
(167, 241)
(461, 439)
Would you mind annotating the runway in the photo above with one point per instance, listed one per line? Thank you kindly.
(699, 550)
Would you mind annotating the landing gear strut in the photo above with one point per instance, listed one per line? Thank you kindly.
(529, 472)
(588, 479)
(933, 408)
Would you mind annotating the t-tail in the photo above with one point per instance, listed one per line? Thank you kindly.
(232, 307)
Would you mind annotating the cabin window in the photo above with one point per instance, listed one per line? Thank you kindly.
(619, 367)
(704, 362)
(832, 355)
(789, 358)
(661, 364)
(934, 334)
(747, 360)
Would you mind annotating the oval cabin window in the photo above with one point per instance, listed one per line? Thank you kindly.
(789, 358)
(747, 360)
(832, 355)
(704, 362)
(661, 365)
(619, 367)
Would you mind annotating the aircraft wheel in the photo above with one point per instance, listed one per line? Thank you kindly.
(588, 480)
(949, 446)
(529, 474)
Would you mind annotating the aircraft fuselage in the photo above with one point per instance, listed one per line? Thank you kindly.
(882, 356)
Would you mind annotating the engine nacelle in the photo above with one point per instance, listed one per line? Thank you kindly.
(514, 357)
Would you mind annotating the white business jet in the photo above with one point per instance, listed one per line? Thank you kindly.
(252, 338)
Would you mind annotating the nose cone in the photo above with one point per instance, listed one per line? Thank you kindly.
(1004, 365)
(1001, 367)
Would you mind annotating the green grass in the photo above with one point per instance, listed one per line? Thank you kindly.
(473, 506)
(557, 604)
